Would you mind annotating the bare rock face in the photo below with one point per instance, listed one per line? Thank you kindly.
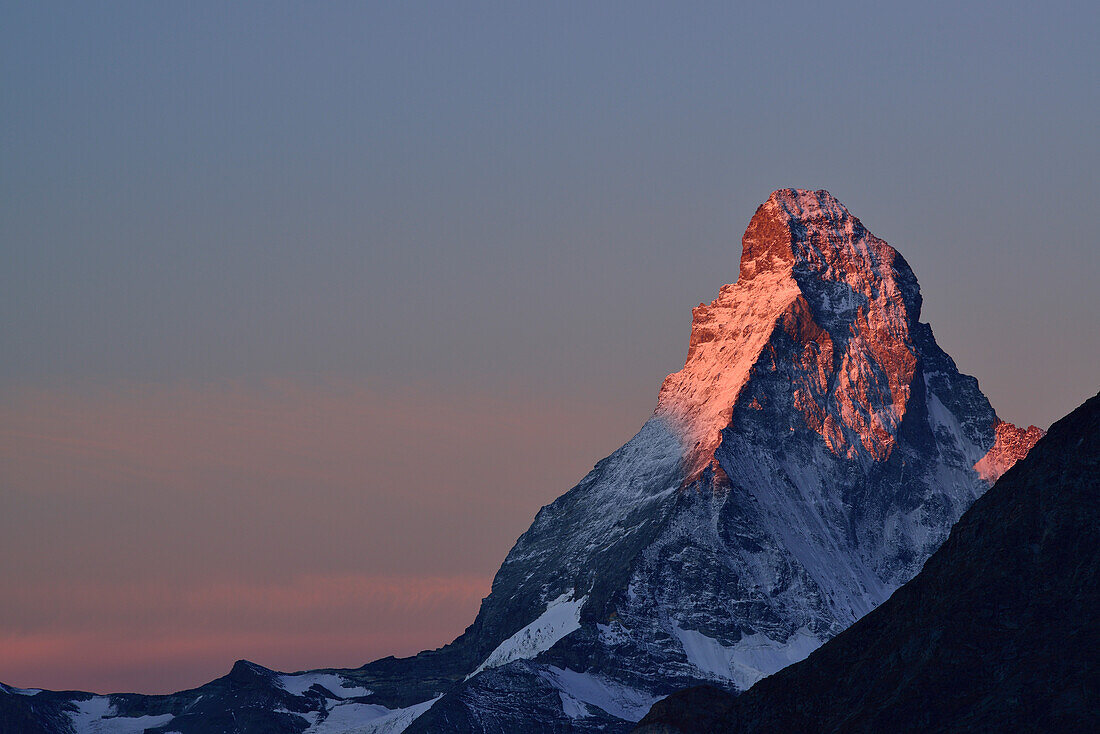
(1011, 445)
(815, 449)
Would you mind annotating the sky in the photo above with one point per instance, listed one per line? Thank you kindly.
(306, 309)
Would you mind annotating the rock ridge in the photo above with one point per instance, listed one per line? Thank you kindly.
(849, 304)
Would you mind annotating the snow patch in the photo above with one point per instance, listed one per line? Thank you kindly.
(573, 708)
(346, 717)
(752, 658)
(97, 716)
(579, 689)
(397, 720)
(299, 683)
(349, 717)
(562, 616)
(20, 691)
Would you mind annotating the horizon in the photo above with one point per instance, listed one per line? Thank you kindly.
(307, 312)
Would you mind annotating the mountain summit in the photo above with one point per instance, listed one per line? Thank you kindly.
(848, 304)
(815, 449)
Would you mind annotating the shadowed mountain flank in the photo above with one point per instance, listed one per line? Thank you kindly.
(999, 632)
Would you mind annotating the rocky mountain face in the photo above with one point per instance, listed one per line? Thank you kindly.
(813, 452)
(999, 632)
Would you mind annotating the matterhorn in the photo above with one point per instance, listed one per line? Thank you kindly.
(813, 452)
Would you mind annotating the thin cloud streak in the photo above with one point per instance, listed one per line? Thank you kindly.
(132, 636)
(153, 534)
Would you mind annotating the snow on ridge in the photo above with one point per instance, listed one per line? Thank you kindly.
(753, 657)
(346, 716)
(299, 683)
(349, 717)
(97, 715)
(20, 691)
(399, 719)
(579, 691)
(562, 616)
(727, 338)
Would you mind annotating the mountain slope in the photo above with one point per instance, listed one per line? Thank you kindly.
(999, 632)
(813, 451)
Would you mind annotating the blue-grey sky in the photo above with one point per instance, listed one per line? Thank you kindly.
(466, 199)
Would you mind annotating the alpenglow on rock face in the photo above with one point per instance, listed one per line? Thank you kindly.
(814, 450)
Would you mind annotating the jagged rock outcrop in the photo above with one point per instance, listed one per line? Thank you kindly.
(999, 632)
(813, 451)
(1011, 445)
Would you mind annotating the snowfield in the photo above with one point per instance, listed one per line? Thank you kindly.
(562, 616)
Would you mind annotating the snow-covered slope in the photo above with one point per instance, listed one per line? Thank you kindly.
(813, 451)
(562, 616)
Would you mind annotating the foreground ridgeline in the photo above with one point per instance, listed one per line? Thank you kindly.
(999, 632)
(813, 452)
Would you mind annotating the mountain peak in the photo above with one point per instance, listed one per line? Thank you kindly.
(811, 235)
(833, 307)
(813, 452)
(835, 300)
(771, 239)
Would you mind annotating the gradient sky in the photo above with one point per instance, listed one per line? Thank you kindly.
(305, 310)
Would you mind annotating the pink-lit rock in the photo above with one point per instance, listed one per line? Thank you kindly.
(803, 254)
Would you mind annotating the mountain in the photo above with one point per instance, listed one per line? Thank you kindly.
(814, 450)
(999, 632)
